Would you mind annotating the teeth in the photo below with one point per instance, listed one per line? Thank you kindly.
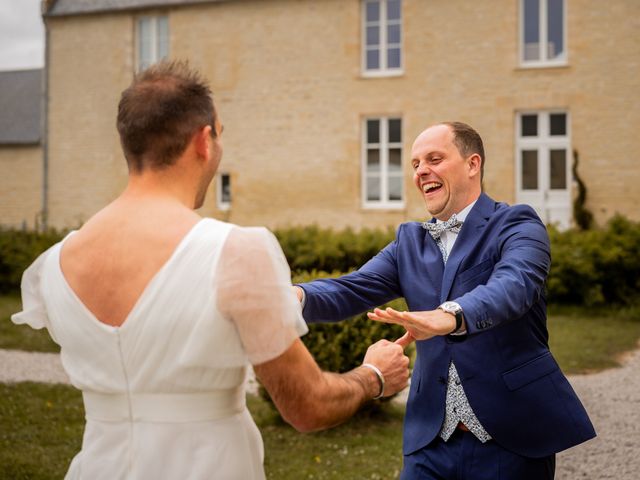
(429, 186)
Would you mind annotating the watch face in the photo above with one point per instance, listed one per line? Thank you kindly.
(451, 307)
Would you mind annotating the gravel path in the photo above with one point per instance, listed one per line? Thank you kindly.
(19, 366)
(612, 398)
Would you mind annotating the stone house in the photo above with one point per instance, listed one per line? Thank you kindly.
(321, 101)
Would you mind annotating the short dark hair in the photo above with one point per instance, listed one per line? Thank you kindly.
(468, 141)
(159, 113)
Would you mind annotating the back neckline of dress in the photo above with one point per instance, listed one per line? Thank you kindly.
(136, 305)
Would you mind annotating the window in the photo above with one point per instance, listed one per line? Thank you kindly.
(543, 32)
(153, 40)
(382, 179)
(382, 37)
(223, 191)
(543, 150)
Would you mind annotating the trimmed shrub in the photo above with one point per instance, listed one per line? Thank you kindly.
(309, 248)
(598, 266)
(18, 249)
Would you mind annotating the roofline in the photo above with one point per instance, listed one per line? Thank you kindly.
(21, 70)
(26, 143)
(47, 7)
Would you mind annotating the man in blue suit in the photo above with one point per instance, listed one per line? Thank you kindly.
(487, 398)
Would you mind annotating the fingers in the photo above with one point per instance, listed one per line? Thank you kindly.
(388, 315)
(406, 340)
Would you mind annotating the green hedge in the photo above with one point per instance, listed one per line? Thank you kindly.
(18, 249)
(315, 248)
(593, 267)
(596, 267)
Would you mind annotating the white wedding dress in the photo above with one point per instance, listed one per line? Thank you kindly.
(164, 392)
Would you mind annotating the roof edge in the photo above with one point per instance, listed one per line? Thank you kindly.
(48, 7)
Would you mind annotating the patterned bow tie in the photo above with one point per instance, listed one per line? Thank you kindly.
(435, 229)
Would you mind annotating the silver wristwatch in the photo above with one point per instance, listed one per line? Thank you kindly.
(456, 310)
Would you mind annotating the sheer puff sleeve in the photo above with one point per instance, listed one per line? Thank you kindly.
(254, 290)
(34, 312)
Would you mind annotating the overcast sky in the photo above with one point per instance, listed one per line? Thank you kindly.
(21, 35)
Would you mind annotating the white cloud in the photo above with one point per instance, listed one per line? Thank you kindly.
(21, 35)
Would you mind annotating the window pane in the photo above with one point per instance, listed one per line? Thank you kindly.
(373, 188)
(373, 35)
(373, 131)
(395, 188)
(395, 130)
(144, 43)
(373, 161)
(393, 9)
(373, 59)
(393, 34)
(558, 170)
(225, 194)
(555, 24)
(373, 11)
(163, 38)
(529, 169)
(529, 125)
(393, 58)
(558, 124)
(531, 23)
(395, 160)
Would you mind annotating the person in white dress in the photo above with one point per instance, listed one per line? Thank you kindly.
(159, 312)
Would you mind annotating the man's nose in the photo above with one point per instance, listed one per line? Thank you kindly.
(422, 169)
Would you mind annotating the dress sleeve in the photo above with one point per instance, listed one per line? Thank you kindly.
(254, 290)
(34, 312)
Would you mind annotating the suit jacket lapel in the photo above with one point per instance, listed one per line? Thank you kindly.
(470, 232)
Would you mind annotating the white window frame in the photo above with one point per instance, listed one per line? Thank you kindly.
(154, 41)
(382, 71)
(384, 145)
(222, 203)
(543, 61)
(543, 143)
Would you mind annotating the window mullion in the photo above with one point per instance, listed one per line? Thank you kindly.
(384, 160)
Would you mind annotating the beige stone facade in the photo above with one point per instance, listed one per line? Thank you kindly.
(21, 186)
(289, 87)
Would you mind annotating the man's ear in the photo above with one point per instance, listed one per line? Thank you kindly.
(203, 142)
(475, 165)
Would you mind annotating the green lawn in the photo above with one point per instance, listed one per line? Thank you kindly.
(40, 430)
(586, 340)
(41, 425)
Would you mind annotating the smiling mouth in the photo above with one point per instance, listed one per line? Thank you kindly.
(431, 187)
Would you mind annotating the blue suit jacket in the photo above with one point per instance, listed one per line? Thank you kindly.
(496, 272)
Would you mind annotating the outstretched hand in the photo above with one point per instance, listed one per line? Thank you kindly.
(419, 325)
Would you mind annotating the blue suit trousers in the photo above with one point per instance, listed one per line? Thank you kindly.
(464, 457)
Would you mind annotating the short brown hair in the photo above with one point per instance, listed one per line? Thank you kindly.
(159, 113)
(468, 141)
